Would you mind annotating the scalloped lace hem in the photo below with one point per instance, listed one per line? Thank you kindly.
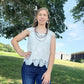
(37, 62)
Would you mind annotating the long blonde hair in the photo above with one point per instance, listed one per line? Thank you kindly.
(35, 23)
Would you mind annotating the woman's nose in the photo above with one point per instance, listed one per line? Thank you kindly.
(42, 16)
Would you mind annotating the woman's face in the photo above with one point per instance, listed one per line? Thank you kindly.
(42, 17)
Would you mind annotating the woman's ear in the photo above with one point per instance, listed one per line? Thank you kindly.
(48, 20)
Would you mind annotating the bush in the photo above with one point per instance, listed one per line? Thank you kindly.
(71, 59)
(13, 51)
(79, 60)
(6, 48)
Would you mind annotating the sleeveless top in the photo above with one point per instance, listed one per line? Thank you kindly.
(40, 48)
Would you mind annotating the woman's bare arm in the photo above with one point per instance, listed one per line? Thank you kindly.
(52, 54)
(18, 38)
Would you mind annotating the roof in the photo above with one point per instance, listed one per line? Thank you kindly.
(82, 52)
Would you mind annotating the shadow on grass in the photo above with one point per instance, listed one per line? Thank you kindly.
(10, 67)
(67, 75)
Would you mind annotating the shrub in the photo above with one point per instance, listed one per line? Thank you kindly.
(79, 60)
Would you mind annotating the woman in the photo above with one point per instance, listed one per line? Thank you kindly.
(39, 59)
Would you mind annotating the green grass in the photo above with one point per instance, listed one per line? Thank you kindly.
(67, 75)
(2, 53)
(64, 72)
(69, 63)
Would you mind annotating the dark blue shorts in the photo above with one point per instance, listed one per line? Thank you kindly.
(31, 73)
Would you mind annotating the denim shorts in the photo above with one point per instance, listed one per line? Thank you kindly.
(31, 73)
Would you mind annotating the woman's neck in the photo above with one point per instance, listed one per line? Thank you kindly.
(41, 27)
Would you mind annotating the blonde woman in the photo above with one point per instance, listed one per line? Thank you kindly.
(39, 58)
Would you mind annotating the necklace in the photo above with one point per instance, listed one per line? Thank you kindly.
(39, 36)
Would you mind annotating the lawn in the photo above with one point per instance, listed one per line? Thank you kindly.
(64, 72)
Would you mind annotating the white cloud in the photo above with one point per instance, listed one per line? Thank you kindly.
(73, 34)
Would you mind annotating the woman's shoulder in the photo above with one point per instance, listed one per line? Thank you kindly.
(51, 33)
(30, 29)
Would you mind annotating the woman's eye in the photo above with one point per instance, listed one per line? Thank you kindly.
(42, 15)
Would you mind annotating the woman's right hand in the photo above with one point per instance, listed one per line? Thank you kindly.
(26, 54)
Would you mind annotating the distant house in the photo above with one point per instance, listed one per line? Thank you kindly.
(78, 55)
(62, 56)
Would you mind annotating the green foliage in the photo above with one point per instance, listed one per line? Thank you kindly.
(20, 14)
(78, 11)
(82, 61)
(79, 60)
(6, 48)
(1, 46)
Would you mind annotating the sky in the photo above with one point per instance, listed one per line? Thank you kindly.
(73, 37)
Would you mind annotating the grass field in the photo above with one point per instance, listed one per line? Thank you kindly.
(64, 72)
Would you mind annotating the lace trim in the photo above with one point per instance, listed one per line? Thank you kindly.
(37, 62)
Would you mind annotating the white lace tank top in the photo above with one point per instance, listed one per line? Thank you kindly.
(40, 48)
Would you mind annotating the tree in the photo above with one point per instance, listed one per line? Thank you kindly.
(78, 11)
(1, 47)
(19, 14)
(6, 48)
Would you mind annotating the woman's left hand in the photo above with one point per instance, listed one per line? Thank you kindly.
(46, 78)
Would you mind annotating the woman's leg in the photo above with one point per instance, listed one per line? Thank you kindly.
(41, 71)
(28, 75)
